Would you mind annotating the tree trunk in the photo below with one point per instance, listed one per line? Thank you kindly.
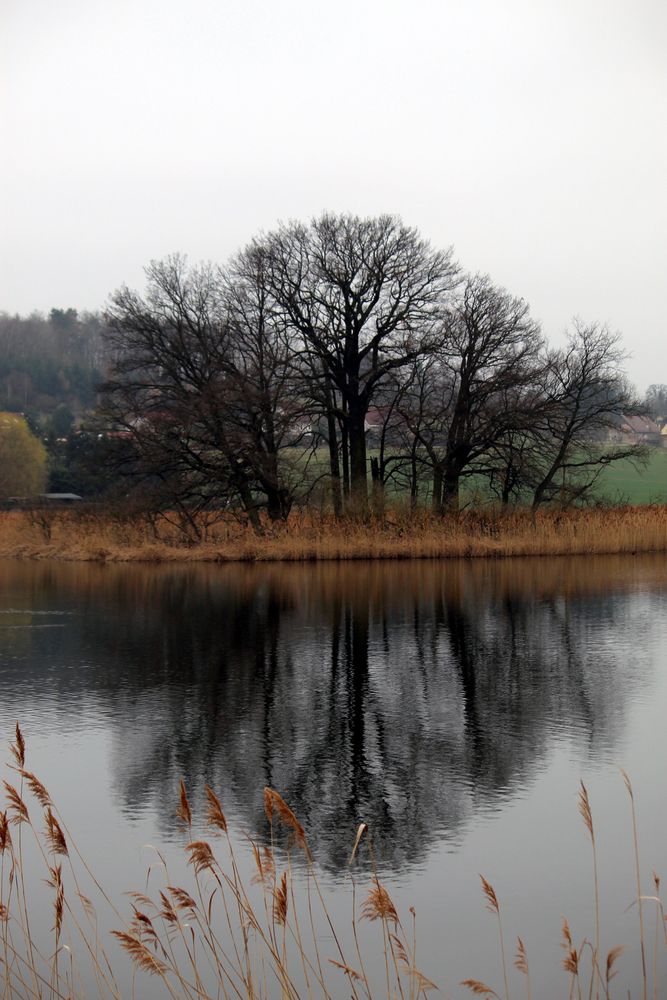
(334, 464)
(358, 479)
(414, 486)
(506, 494)
(250, 508)
(538, 495)
(450, 489)
(345, 453)
(277, 503)
(508, 483)
(378, 487)
(436, 502)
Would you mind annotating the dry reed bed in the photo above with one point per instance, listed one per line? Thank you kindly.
(95, 535)
(220, 936)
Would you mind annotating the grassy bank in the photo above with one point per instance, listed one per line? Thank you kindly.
(94, 535)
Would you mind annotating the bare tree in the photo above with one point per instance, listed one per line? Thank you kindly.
(365, 297)
(265, 409)
(199, 384)
(467, 396)
(655, 400)
(585, 391)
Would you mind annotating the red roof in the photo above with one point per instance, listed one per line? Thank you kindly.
(639, 425)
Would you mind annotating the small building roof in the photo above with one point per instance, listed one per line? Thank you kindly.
(639, 425)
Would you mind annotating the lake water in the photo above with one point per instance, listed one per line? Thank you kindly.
(452, 706)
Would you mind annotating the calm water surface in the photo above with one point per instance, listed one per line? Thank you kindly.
(453, 707)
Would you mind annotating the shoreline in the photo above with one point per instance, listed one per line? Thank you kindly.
(95, 536)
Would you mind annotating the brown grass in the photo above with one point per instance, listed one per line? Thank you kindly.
(93, 535)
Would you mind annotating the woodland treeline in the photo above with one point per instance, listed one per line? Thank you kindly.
(332, 363)
(345, 354)
(51, 363)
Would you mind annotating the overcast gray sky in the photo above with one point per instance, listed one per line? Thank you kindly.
(530, 134)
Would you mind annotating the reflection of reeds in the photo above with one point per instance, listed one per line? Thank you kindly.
(91, 534)
(223, 936)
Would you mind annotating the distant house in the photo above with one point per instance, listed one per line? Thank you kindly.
(635, 429)
(382, 420)
(374, 419)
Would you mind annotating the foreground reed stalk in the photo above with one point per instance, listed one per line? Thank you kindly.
(587, 816)
(640, 908)
(220, 936)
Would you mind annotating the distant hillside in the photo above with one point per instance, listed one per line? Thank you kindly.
(50, 362)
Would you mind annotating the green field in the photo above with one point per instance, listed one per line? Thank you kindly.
(621, 482)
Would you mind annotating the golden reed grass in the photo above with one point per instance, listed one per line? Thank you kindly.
(91, 534)
(223, 937)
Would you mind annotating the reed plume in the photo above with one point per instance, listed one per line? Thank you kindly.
(280, 900)
(478, 988)
(55, 881)
(424, 984)
(184, 900)
(16, 805)
(201, 856)
(265, 864)
(378, 905)
(491, 898)
(5, 835)
(493, 906)
(37, 788)
(567, 942)
(571, 962)
(167, 911)
(142, 926)
(587, 816)
(348, 970)
(275, 804)
(142, 957)
(55, 837)
(521, 963)
(17, 748)
(612, 957)
(521, 958)
(183, 810)
(214, 814)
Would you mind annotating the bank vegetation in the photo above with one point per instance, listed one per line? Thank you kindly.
(92, 534)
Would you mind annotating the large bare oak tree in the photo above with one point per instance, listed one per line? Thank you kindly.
(364, 298)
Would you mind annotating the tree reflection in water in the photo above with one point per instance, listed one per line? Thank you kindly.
(406, 695)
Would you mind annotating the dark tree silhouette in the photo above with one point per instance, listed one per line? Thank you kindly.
(476, 387)
(585, 392)
(199, 383)
(366, 297)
